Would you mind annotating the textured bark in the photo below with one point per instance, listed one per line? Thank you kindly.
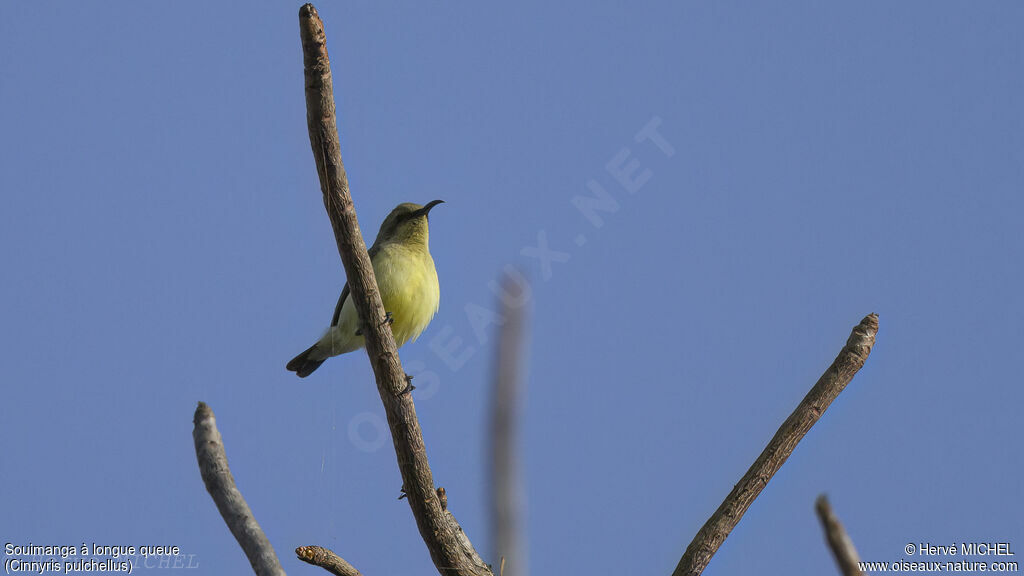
(213, 466)
(449, 548)
(851, 358)
(327, 560)
(838, 540)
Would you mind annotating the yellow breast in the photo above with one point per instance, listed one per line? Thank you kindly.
(408, 287)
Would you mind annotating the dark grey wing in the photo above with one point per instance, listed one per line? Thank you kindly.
(341, 302)
(344, 291)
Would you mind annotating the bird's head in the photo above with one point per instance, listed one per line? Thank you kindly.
(407, 223)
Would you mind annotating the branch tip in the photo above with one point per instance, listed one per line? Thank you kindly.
(838, 540)
(213, 467)
(324, 558)
(202, 412)
(717, 528)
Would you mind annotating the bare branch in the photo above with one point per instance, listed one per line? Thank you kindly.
(449, 548)
(851, 358)
(506, 479)
(213, 466)
(838, 540)
(327, 560)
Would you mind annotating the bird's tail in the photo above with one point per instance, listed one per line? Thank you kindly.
(304, 364)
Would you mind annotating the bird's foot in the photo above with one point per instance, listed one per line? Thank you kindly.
(408, 386)
(389, 318)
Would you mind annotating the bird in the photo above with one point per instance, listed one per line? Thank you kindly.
(406, 279)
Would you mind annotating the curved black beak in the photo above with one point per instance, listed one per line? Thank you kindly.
(426, 209)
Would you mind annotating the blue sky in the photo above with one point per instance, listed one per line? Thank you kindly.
(164, 242)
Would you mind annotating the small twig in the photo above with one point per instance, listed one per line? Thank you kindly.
(506, 479)
(450, 549)
(838, 540)
(324, 558)
(851, 358)
(213, 466)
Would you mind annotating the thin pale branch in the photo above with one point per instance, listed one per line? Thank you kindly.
(506, 478)
(851, 358)
(213, 466)
(449, 548)
(838, 540)
(324, 558)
